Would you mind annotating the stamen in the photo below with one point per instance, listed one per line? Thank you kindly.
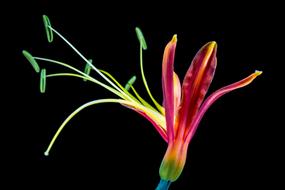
(141, 38)
(130, 83)
(43, 81)
(93, 67)
(32, 60)
(83, 74)
(119, 85)
(87, 69)
(120, 101)
(141, 99)
(158, 106)
(47, 28)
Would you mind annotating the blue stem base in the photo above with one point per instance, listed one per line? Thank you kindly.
(163, 185)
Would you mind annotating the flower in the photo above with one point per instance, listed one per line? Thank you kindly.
(183, 106)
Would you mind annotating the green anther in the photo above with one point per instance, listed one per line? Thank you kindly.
(130, 83)
(48, 28)
(43, 81)
(141, 38)
(32, 61)
(87, 68)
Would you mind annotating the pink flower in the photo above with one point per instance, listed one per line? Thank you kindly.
(183, 106)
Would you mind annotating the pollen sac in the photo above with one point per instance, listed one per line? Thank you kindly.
(32, 60)
(48, 29)
(130, 83)
(87, 69)
(43, 81)
(141, 38)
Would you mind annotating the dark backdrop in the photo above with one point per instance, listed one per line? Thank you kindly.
(237, 144)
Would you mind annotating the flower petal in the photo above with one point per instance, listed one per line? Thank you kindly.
(159, 128)
(195, 85)
(216, 95)
(168, 86)
(156, 118)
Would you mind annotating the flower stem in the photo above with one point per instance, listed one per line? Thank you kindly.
(163, 185)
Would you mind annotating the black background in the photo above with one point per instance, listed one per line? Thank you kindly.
(237, 145)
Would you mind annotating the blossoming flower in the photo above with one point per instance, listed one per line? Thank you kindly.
(183, 105)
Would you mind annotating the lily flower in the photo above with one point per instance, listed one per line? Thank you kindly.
(183, 106)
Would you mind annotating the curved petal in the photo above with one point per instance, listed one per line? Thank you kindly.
(159, 128)
(195, 85)
(216, 95)
(155, 118)
(168, 87)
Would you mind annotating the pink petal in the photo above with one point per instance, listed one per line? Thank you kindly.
(168, 87)
(159, 129)
(156, 125)
(213, 97)
(195, 85)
